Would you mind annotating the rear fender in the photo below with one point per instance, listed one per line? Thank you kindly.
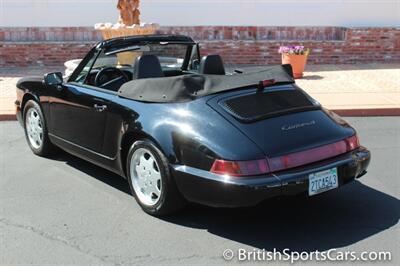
(193, 134)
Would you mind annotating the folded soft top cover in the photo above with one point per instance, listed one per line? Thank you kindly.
(192, 86)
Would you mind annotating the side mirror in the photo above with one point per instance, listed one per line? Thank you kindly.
(195, 64)
(53, 79)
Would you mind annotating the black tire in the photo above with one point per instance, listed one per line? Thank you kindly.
(170, 199)
(46, 148)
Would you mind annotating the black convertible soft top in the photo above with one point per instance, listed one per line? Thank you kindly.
(192, 86)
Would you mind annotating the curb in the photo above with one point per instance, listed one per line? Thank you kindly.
(8, 117)
(341, 112)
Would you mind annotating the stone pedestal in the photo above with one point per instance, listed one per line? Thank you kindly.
(118, 30)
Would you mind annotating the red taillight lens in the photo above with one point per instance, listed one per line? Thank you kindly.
(309, 156)
(240, 168)
(259, 167)
(352, 143)
(305, 157)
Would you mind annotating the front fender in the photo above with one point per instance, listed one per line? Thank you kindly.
(29, 85)
(29, 88)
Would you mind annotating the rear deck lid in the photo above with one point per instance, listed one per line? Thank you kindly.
(280, 120)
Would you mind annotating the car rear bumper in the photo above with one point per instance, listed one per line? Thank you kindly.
(215, 190)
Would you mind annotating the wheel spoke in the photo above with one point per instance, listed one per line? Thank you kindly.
(138, 170)
(38, 140)
(147, 163)
(154, 176)
(141, 183)
(143, 162)
(154, 190)
(37, 121)
(150, 162)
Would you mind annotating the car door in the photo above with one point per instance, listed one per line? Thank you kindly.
(78, 115)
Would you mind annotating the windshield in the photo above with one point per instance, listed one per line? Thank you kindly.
(171, 56)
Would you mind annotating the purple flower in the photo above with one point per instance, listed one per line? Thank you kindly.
(284, 49)
(292, 49)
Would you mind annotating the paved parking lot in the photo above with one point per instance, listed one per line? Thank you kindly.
(65, 210)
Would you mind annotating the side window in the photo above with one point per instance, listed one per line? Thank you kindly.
(81, 76)
(93, 65)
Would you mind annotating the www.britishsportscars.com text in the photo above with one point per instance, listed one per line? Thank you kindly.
(294, 256)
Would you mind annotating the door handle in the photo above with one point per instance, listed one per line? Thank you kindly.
(100, 107)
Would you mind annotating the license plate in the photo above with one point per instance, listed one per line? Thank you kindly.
(322, 181)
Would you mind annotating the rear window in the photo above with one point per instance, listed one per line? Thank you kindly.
(256, 106)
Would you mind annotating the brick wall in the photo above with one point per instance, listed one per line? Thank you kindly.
(237, 45)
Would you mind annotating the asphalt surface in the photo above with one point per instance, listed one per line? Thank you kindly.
(67, 211)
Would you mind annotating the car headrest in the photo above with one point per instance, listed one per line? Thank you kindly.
(212, 64)
(147, 66)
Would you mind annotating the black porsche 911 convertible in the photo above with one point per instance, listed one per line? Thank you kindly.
(181, 129)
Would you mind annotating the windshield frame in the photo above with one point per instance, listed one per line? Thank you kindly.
(98, 50)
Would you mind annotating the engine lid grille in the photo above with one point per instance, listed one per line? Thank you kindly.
(257, 106)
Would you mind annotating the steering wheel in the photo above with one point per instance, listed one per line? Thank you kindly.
(103, 80)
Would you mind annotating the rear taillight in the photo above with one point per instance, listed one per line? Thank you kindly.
(264, 166)
(305, 157)
(240, 168)
(317, 154)
(352, 143)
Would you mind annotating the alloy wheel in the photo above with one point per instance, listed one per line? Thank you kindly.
(34, 128)
(146, 177)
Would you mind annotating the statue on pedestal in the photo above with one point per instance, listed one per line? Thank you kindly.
(128, 25)
(129, 12)
(129, 22)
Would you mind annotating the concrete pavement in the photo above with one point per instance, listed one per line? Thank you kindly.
(63, 210)
(358, 90)
(362, 90)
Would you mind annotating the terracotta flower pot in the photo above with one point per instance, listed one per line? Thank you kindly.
(298, 63)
